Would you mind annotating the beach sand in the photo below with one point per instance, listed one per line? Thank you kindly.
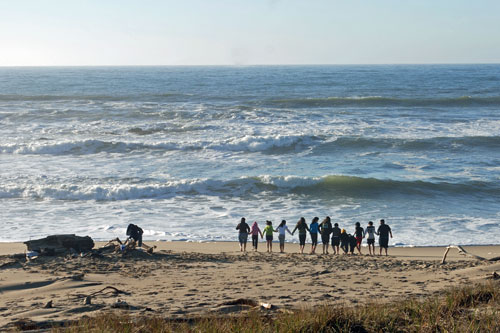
(195, 279)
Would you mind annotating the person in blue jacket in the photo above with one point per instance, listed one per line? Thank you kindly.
(313, 231)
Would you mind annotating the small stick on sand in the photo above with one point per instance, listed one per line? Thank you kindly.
(462, 251)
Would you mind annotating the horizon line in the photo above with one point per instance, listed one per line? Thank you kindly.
(262, 65)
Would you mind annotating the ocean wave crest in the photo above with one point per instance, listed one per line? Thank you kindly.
(270, 144)
(83, 147)
(325, 187)
(426, 144)
(89, 97)
(127, 191)
(380, 101)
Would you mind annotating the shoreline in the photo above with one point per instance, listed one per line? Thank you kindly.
(186, 279)
(10, 248)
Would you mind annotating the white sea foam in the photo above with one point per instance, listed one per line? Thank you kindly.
(275, 143)
(290, 182)
(81, 147)
(263, 143)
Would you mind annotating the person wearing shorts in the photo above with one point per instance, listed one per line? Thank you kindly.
(370, 239)
(325, 228)
(303, 228)
(268, 232)
(383, 231)
(359, 234)
(313, 231)
(336, 238)
(243, 234)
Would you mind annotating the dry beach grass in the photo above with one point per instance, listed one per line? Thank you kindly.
(465, 309)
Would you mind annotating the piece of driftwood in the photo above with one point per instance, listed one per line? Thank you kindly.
(462, 251)
(60, 243)
(127, 246)
(87, 299)
(250, 303)
(117, 291)
(241, 301)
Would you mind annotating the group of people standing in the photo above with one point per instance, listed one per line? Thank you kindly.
(339, 238)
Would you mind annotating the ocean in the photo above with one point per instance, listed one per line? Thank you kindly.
(185, 152)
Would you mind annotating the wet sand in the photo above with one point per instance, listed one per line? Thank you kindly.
(194, 279)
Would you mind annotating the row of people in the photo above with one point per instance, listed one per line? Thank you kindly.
(340, 239)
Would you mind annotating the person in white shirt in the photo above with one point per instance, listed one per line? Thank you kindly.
(370, 239)
(282, 229)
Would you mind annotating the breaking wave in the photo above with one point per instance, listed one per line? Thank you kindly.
(319, 187)
(270, 144)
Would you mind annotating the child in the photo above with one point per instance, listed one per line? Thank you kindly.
(313, 231)
(282, 228)
(370, 230)
(344, 241)
(255, 231)
(268, 231)
(302, 227)
(359, 234)
(336, 238)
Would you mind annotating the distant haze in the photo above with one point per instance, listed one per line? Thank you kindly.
(232, 32)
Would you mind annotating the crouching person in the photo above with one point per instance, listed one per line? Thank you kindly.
(135, 232)
(135, 238)
(344, 241)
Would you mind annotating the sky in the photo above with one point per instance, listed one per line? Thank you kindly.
(247, 32)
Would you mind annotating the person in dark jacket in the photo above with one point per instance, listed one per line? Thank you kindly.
(336, 238)
(359, 233)
(244, 229)
(383, 231)
(303, 228)
(352, 243)
(325, 229)
(344, 241)
(135, 232)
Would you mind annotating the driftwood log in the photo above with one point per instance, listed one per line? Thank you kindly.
(462, 251)
(115, 290)
(60, 243)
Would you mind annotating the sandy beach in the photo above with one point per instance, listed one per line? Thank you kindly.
(194, 279)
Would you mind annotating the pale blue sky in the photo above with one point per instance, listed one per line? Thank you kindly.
(237, 32)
